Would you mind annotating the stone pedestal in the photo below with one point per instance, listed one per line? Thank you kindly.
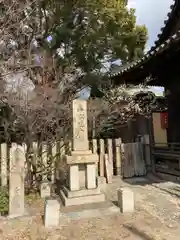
(51, 213)
(126, 200)
(79, 190)
(82, 185)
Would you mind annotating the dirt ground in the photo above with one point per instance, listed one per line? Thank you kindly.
(157, 216)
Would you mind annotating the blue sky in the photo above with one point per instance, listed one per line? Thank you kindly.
(152, 13)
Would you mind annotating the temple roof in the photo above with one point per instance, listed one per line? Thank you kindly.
(169, 34)
(169, 23)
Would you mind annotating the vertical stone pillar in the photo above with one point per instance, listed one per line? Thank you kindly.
(54, 161)
(91, 176)
(4, 159)
(94, 141)
(16, 181)
(101, 157)
(74, 178)
(44, 161)
(46, 187)
(118, 156)
(69, 146)
(95, 148)
(80, 130)
(110, 155)
(35, 158)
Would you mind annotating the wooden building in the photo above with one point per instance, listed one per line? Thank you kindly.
(161, 67)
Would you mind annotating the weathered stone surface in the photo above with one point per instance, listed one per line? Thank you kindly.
(80, 133)
(118, 156)
(81, 200)
(82, 176)
(52, 213)
(74, 177)
(91, 176)
(81, 193)
(101, 183)
(4, 161)
(126, 200)
(75, 159)
(45, 189)
(16, 181)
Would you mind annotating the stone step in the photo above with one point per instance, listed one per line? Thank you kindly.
(80, 193)
(81, 200)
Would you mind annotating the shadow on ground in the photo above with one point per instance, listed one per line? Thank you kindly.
(138, 233)
(172, 187)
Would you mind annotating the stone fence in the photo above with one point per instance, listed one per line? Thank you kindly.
(45, 159)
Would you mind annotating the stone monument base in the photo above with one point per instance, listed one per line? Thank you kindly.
(84, 196)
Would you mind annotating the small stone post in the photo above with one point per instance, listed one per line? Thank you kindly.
(126, 200)
(95, 148)
(16, 181)
(54, 162)
(51, 213)
(4, 159)
(45, 188)
(118, 156)
(101, 160)
(101, 179)
(110, 155)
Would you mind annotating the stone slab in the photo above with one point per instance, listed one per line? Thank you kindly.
(84, 152)
(16, 180)
(80, 131)
(101, 183)
(77, 159)
(91, 169)
(45, 189)
(52, 213)
(73, 174)
(92, 213)
(80, 193)
(81, 200)
(126, 200)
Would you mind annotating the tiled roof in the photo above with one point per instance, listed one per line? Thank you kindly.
(146, 57)
(166, 29)
(155, 49)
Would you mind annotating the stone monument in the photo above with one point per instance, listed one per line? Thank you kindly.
(16, 181)
(81, 187)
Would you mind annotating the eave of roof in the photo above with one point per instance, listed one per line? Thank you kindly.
(162, 43)
(170, 22)
(150, 54)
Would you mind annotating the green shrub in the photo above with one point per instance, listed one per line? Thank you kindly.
(4, 201)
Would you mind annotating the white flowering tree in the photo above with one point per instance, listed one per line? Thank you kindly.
(53, 40)
(59, 47)
(123, 103)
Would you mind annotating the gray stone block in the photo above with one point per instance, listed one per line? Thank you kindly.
(45, 189)
(126, 200)
(52, 213)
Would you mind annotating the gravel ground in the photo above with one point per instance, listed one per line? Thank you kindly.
(157, 217)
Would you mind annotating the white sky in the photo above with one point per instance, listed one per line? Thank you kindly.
(152, 13)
